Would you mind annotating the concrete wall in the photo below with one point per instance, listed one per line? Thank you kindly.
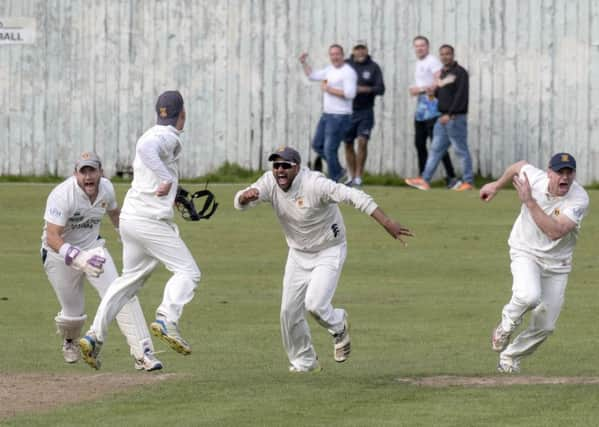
(91, 79)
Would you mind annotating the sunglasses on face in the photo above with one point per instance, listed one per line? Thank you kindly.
(284, 165)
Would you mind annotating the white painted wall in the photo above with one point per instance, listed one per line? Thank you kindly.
(91, 79)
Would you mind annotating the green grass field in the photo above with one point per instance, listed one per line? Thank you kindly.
(425, 310)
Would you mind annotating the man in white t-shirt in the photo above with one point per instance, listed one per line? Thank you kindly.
(306, 205)
(541, 244)
(72, 250)
(427, 71)
(149, 234)
(339, 86)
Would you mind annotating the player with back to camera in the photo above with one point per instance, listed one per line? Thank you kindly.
(149, 234)
(305, 203)
(72, 250)
(541, 244)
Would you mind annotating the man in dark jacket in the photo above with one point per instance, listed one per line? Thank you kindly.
(452, 127)
(370, 84)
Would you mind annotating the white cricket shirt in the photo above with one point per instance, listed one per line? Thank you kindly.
(68, 206)
(424, 72)
(527, 237)
(156, 161)
(344, 78)
(308, 211)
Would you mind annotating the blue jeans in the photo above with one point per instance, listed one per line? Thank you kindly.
(455, 132)
(330, 132)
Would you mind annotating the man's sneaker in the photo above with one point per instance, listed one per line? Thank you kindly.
(169, 333)
(90, 350)
(349, 181)
(342, 343)
(149, 362)
(312, 370)
(344, 176)
(357, 183)
(508, 365)
(500, 338)
(453, 183)
(70, 351)
(418, 183)
(464, 186)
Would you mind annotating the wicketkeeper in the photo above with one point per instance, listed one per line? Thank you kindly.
(73, 250)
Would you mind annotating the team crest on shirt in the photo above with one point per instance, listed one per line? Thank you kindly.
(556, 212)
(103, 204)
(366, 75)
(300, 202)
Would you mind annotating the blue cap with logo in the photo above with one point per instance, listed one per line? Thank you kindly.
(168, 107)
(560, 161)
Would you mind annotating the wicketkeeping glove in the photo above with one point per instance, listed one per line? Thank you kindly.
(90, 262)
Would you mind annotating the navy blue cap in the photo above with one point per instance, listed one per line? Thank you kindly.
(560, 161)
(168, 107)
(285, 153)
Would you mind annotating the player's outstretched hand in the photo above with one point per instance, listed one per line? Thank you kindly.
(397, 231)
(249, 195)
(488, 191)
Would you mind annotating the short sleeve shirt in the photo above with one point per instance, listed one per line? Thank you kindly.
(68, 206)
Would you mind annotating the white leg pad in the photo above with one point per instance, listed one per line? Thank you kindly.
(69, 327)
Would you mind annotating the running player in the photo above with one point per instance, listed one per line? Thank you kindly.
(73, 250)
(541, 244)
(305, 203)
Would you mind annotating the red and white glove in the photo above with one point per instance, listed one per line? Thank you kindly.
(90, 262)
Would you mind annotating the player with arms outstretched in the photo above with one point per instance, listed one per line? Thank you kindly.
(541, 244)
(305, 203)
(73, 250)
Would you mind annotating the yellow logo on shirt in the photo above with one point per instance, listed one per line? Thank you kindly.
(300, 202)
(556, 210)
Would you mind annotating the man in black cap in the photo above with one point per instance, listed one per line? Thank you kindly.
(305, 202)
(370, 85)
(149, 234)
(541, 244)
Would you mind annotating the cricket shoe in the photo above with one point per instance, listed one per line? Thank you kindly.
(500, 339)
(507, 365)
(70, 351)
(149, 362)
(418, 183)
(90, 350)
(169, 333)
(342, 343)
(314, 369)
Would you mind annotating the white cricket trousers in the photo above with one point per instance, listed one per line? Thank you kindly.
(538, 288)
(309, 286)
(68, 286)
(146, 242)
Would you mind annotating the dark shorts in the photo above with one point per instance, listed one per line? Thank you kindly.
(362, 122)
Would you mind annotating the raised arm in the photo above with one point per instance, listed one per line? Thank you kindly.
(303, 59)
(488, 192)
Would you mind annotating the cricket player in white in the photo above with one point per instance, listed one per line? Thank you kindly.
(149, 234)
(305, 203)
(541, 244)
(72, 250)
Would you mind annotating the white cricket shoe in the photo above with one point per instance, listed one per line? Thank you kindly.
(70, 351)
(149, 362)
(507, 365)
(500, 339)
(311, 370)
(342, 343)
(169, 333)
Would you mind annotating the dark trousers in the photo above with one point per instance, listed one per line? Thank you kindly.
(424, 130)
